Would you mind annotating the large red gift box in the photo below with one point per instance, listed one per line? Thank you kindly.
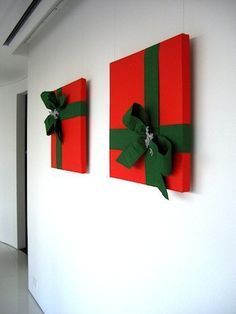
(170, 82)
(71, 153)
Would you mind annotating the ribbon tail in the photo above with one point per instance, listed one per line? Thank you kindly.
(49, 124)
(58, 129)
(154, 176)
(153, 169)
(131, 153)
(161, 186)
(165, 157)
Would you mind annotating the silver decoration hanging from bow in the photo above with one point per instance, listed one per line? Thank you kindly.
(54, 113)
(148, 139)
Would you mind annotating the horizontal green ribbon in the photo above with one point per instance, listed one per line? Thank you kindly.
(179, 134)
(145, 137)
(60, 110)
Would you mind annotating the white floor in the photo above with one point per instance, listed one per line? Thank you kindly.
(14, 295)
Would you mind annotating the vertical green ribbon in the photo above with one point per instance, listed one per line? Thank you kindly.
(151, 85)
(59, 142)
(153, 164)
(58, 153)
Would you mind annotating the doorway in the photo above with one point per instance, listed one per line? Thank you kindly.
(21, 142)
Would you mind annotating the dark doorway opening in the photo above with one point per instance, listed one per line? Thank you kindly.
(21, 136)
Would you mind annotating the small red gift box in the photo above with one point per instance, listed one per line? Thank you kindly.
(162, 73)
(70, 153)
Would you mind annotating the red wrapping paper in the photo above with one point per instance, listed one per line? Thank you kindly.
(74, 130)
(127, 87)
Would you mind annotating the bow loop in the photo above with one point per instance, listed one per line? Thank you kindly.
(136, 119)
(50, 100)
(61, 99)
(132, 152)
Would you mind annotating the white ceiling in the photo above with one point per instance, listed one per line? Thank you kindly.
(12, 67)
(13, 58)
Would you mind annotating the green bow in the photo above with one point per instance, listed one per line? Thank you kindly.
(156, 148)
(55, 103)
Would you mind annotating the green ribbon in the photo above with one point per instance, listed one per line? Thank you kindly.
(145, 137)
(157, 148)
(60, 110)
(55, 103)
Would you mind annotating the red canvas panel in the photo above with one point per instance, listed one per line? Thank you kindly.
(74, 145)
(127, 87)
(129, 69)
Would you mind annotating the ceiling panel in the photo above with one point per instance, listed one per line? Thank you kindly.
(12, 67)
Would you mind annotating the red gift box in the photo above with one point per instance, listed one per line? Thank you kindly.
(127, 86)
(71, 153)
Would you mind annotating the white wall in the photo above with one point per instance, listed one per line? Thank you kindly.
(8, 199)
(104, 246)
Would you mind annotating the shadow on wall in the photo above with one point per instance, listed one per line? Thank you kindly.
(193, 47)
